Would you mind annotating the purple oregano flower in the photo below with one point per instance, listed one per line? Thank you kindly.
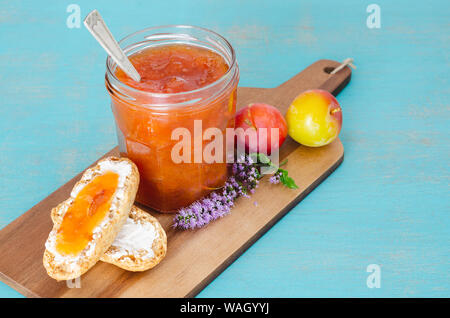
(276, 178)
(243, 182)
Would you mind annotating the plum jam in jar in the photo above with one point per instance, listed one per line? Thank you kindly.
(189, 75)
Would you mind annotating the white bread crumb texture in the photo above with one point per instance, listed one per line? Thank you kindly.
(135, 238)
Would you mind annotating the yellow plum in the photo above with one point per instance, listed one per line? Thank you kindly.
(314, 118)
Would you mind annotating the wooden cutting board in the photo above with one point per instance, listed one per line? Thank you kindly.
(194, 258)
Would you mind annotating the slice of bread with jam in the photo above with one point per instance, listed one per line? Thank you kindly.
(87, 223)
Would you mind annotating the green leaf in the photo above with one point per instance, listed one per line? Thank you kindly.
(286, 180)
(264, 159)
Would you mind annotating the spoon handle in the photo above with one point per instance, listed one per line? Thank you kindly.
(97, 26)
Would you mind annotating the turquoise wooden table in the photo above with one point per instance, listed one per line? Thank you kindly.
(387, 204)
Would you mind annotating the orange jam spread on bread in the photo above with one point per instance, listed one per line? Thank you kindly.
(87, 211)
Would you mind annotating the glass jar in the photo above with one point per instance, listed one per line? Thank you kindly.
(145, 121)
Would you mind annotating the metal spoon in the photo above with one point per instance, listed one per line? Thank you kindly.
(95, 24)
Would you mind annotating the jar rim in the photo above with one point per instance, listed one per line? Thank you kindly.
(110, 63)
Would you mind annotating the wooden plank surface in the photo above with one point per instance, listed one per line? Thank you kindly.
(194, 258)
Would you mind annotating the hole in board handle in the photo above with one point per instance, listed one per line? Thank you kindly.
(328, 69)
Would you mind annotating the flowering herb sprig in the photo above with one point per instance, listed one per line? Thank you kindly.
(280, 175)
(243, 182)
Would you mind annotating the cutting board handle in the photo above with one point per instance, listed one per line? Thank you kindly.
(317, 75)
